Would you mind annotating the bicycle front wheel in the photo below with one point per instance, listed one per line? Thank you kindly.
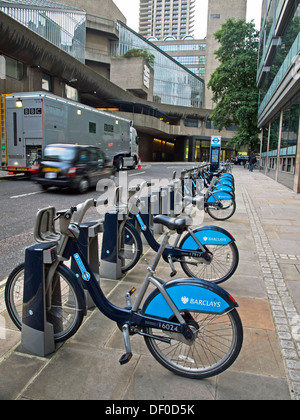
(64, 302)
(217, 343)
(131, 247)
(224, 212)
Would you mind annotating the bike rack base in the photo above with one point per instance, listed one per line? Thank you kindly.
(37, 332)
(88, 244)
(111, 264)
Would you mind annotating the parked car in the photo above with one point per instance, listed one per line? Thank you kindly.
(241, 159)
(73, 166)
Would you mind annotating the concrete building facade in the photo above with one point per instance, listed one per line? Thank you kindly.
(218, 13)
(161, 18)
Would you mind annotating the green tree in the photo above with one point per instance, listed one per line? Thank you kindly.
(234, 82)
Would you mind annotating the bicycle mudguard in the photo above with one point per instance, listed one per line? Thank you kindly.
(225, 182)
(223, 187)
(189, 295)
(206, 235)
(226, 176)
(219, 195)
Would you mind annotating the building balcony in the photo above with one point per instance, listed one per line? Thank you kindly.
(284, 8)
(285, 84)
(106, 26)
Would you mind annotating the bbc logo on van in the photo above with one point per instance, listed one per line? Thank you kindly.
(32, 111)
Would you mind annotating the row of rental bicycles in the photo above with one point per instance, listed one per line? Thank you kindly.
(190, 325)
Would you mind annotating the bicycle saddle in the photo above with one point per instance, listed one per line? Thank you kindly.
(171, 223)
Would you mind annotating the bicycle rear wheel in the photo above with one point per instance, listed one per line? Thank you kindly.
(64, 307)
(217, 343)
(224, 263)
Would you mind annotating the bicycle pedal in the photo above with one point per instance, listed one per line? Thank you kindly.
(125, 358)
(173, 273)
(128, 297)
(131, 291)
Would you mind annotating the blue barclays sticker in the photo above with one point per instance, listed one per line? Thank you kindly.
(222, 187)
(85, 274)
(222, 195)
(187, 297)
(206, 237)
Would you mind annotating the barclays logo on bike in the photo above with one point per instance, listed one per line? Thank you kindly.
(205, 238)
(184, 300)
(200, 302)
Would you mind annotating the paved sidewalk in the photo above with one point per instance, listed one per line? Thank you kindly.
(266, 285)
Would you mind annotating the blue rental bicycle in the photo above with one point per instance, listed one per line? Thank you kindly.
(206, 252)
(190, 326)
(219, 197)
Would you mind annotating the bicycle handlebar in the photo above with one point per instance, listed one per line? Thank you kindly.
(139, 187)
(77, 212)
(82, 208)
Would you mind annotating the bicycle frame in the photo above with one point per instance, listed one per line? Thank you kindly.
(170, 250)
(129, 315)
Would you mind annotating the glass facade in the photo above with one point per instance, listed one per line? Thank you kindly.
(279, 48)
(289, 137)
(189, 52)
(173, 83)
(63, 26)
(182, 47)
(286, 50)
(191, 59)
(283, 136)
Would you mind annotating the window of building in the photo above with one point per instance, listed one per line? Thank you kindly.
(289, 136)
(191, 59)
(265, 139)
(189, 122)
(274, 136)
(71, 93)
(290, 128)
(272, 163)
(11, 68)
(46, 82)
(92, 127)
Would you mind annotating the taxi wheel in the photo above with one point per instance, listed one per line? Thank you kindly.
(83, 185)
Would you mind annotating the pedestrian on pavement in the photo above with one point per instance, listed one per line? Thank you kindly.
(252, 162)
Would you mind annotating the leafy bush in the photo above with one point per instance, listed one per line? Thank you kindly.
(137, 52)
